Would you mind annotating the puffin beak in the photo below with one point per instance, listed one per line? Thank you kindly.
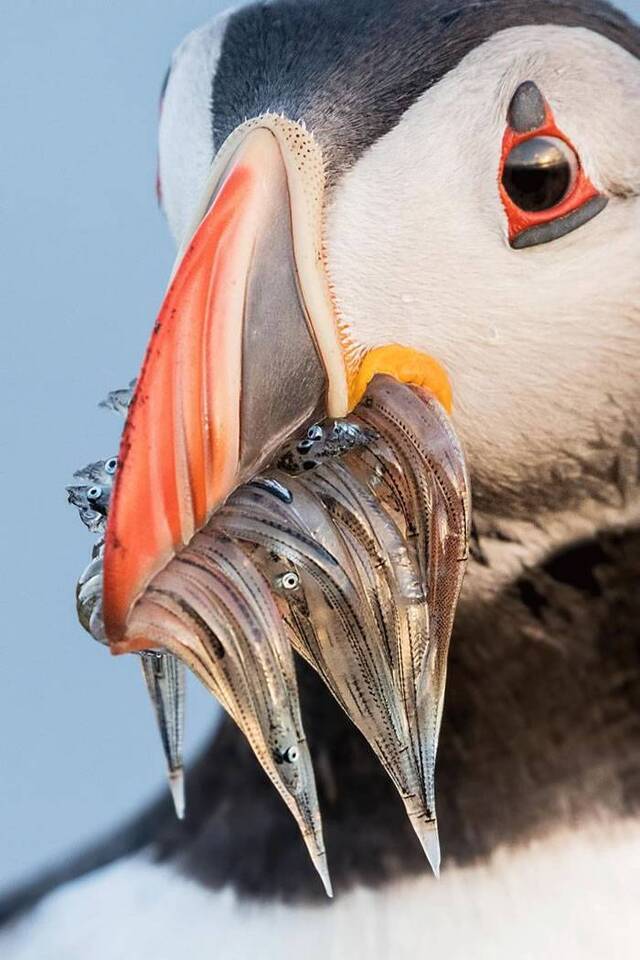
(245, 350)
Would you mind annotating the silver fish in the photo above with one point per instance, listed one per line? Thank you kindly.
(119, 400)
(163, 674)
(376, 542)
(212, 608)
(351, 550)
(164, 677)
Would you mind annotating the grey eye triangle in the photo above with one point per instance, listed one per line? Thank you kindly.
(527, 108)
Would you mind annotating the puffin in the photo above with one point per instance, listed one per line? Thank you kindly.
(445, 193)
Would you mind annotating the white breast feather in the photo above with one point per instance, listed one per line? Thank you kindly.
(570, 897)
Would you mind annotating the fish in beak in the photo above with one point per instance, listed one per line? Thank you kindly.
(278, 489)
(163, 673)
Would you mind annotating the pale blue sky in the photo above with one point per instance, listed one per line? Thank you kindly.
(85, 257)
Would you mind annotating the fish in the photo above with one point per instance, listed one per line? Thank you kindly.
(348, 551)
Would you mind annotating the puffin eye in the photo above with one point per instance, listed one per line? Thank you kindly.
(544, 188)
(539, 173)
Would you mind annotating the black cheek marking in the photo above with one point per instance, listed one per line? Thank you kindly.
(526, 110)
(554, 229)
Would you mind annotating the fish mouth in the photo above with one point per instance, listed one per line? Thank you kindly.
(252, 515)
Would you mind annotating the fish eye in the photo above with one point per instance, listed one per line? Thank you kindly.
(539, 173)
(289, 580)
(94, 493)
(291, 754)
(111, 464)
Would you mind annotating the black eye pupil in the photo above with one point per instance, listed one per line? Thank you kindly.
(538, 173)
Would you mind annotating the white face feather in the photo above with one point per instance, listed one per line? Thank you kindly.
(185, 147)
(542, 345)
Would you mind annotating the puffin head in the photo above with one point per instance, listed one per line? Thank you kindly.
(445, 195)
(472, 224)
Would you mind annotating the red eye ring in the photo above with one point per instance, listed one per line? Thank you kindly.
(579, 193)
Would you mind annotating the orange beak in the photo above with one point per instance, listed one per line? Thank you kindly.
(245, 350)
